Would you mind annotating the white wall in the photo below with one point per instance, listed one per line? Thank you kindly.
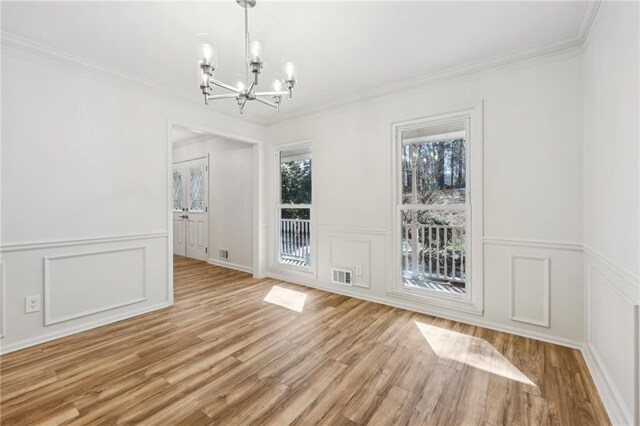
(231, 177)
(532, 185)
(611, 203)
(85, 175)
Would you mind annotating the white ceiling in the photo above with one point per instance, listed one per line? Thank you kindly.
(342, 49)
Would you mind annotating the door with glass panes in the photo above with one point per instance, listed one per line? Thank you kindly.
(190, 208)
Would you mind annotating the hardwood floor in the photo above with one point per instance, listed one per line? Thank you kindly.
(229, 353)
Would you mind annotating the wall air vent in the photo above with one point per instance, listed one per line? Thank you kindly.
(341, 276)
(224, 254)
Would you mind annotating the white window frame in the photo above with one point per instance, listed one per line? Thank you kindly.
(472, 301)
(311, 269)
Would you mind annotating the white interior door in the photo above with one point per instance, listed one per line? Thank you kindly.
(191, 222)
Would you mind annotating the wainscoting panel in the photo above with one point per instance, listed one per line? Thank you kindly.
(83, 283)
(78, 285)
(612, 339)
(529, 289)
(2, 320)
(349, 252)
(535, 287)
(349, 247)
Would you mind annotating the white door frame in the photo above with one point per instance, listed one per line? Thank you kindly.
(258, 230)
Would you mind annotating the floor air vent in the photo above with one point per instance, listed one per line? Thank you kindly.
(341, 276)
(224, 254)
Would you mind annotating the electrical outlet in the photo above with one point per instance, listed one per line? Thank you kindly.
(32, 304)
(359, 270)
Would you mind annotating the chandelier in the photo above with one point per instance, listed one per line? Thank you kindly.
(244, 91)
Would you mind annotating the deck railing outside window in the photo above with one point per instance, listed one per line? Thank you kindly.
(434, 252)
(295, 239)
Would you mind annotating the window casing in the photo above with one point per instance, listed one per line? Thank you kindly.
(437, 223)
(294, 236)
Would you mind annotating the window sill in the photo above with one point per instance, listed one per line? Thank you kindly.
(431, 298)
(284, 268)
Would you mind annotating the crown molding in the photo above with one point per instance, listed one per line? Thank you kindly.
(22, 45)
(588, 19)
(449, 75)
(569, 46)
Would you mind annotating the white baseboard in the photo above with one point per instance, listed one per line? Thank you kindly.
(610, 397)
(4, 349)
(230, 265)
(425, 310)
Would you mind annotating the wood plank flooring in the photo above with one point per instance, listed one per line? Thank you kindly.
(235, 350)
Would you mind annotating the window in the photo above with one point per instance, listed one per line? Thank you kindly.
(178, 196)
(433, 209)
(294, 206)
(196, 189)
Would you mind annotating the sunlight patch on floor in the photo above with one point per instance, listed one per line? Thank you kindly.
(470, 350)
(286, 298)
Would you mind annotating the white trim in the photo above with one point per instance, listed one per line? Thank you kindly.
(351, 230)
(546, 290)
(169, 136)
(258, 179)
(569, 46)
(48, 320)
(522, 242)
(588, 20)
(453, 302)
(477, 321)
(275, 263)
(202, 157)
(83, 327)
(614, 403)
(430, 81)
(229, 265)
(40, 245)
(13, 42)
(629, 283)
(473, 299)
(456, 73)
(351, 268)
(234, 137)
(610, 396)
(3, 316)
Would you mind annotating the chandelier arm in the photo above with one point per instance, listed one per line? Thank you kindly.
(225, 96)
(244, 101)
(266, 102)
(226, 86)
(280, 93)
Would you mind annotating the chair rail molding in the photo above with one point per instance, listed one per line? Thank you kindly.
(533, 243)
(40, 245)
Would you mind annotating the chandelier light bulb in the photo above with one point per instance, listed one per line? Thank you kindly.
(240, 86)
(207, 53)
(256, 50)
(277, 85)
(290, 69)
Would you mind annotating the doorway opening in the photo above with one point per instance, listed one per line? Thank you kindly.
(213, 191)
(191, 207)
